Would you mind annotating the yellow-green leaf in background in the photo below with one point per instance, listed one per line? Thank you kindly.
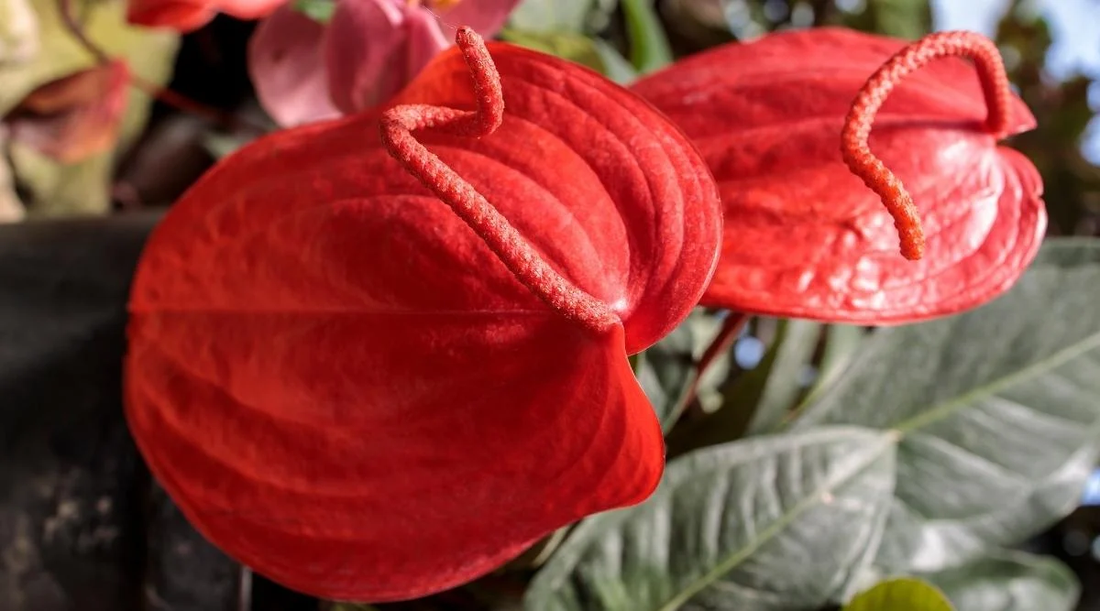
(574, 16)
(649, 46)
(82, 187)
(10, 207)
(902, 594)
(593, 53)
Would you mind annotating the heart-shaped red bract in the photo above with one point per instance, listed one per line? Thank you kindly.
(804, 237)
(342, 386)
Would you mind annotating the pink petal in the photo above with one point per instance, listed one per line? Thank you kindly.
(286, 66)
(425, 41)
(484, 16)
(367, 51)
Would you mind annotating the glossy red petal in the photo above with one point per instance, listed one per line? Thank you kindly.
(343, 387)
(804, 237)
(181, 15)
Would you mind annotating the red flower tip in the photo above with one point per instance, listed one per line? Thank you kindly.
(514, 251)
(857, 125)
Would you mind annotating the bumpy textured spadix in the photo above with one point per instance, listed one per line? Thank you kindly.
(343, 386)
(806, 238)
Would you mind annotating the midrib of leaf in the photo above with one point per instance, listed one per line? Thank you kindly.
(945, 409)
(699, 584)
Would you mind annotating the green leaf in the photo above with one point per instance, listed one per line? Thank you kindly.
(317, 10)
(61, 189)
(1010, 581)
(615, 66)
(552, 16)
(899, 18)
(668, 370)
(649, 46)
(996, 412)
(768, 523)
(221, 144)
(781, 388)
(841, 346)
(573, 47)
(901, 595)
(758, 398)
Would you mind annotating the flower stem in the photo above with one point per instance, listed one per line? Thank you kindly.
(857, 125)
(525, 263)
(731, 328)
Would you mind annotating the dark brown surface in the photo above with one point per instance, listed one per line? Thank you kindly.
(81, 527)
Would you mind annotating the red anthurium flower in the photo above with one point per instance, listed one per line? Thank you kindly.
(188, 15)
(73, 117)
(305, 71)
(804, 236)
(373, 368)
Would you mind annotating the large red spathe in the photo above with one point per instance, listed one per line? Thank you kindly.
(345, 386)
(804, 237)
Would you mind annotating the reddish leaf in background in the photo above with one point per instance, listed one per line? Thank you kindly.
(366, 393)
(305, 71)
(74, 117)
(804, 237)
(188, 15)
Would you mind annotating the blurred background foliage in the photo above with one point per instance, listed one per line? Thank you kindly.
(161, 151)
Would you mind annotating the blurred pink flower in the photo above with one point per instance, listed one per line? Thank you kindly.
(305, 71)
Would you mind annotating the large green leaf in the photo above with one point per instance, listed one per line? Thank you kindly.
(901, 594)
(1010, 581)
(997, 412)
(764, 524)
